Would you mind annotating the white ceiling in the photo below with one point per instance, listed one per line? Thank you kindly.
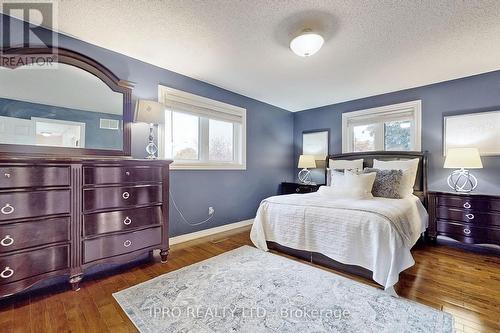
(371, 47)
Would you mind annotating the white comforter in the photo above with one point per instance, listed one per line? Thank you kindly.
(376, 234)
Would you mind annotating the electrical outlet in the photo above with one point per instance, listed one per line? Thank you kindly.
(211, 210)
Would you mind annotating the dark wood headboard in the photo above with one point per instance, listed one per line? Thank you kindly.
(420, 187)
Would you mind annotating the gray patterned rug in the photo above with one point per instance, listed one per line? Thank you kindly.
(248, 290)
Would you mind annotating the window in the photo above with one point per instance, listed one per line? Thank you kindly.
(111, 124)
(200, 133)
(393, 127)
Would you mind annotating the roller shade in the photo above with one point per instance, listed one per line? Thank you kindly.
(183, 102)
(399, 115)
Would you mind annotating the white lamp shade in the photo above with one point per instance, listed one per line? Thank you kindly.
(306, 162)
(467, 158)
(306, 44)
(150, 112)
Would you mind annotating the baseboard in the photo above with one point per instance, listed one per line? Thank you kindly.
(209, 232)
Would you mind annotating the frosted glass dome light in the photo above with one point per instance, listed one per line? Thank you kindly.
(307, 43)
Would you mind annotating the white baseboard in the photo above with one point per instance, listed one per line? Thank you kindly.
(209, 232)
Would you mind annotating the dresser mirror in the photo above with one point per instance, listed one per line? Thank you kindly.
(73, 105)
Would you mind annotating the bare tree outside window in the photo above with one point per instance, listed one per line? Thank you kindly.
(220, 145)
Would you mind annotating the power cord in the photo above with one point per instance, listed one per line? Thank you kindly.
(182, 215)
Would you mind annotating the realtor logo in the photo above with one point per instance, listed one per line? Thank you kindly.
(26, 24)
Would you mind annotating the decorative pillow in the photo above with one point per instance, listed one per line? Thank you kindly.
(346, 164)
(351, 186)
(336, 177)
(387, 183)
(409, 167)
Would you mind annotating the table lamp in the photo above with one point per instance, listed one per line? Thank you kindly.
(152, 113)
(462, 180)
(305, 162)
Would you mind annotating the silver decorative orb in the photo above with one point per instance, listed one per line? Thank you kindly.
(462, 181)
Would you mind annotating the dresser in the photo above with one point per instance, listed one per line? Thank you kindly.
(468, 218)
(290, 188)
(61, 216)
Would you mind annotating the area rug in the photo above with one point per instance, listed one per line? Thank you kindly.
(249, 290)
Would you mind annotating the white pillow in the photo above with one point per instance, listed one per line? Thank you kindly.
(351, 186)
(336, 178)
(409, 167)
(346, 164)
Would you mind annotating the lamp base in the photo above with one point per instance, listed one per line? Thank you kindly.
(305, 176)
(151, 148)
(462, 181)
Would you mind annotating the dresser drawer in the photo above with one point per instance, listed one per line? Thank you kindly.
(468, 216)
(101, 223)
(33, 176)
(23, 265)
(120, 197)
(119, 175)
(467, 202)
(31, 204)
(23, 235)
(463, 232)
(113, 245)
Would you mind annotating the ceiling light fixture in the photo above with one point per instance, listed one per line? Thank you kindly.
(307, 43)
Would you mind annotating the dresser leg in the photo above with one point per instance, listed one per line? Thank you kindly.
(164, 255)
(75, 281)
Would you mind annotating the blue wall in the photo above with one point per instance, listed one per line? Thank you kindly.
(466, 95)
(235, 195)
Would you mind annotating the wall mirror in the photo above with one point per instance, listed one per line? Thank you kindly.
(74, 106)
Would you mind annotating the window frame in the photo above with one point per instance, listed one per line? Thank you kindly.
(167, 95)
(379, 116)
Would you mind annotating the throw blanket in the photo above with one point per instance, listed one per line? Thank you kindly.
(376, 234)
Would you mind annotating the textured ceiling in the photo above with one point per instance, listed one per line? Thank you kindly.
(371, 47)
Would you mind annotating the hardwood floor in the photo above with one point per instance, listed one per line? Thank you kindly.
(465, 284)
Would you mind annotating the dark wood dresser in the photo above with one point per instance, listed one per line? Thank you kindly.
(468, 218)
(290, 188)
(60, 216)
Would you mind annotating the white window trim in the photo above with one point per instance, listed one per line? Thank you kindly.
(415, 107)
(174, 95)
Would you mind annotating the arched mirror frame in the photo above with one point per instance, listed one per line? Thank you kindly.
(17, 57)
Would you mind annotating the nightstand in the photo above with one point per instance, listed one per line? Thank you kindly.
(289, 188)
(465, 217)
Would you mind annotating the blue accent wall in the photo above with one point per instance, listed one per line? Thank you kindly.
(95, 137)
(235, 195)
(466, 95)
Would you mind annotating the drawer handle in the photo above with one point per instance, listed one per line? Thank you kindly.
(127, 221)
(127, 173)
(7, 273)
(469, 216)
(467, 205)
(7, 241)
(297, 190)
(127, 243)
(125, 195)
(7, 209)
(467, 231)
(7, 175)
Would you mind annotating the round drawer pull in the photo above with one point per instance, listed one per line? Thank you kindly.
(7, 175)
(7, 209)
(127, 243)
(7, 273)
(297, 190)
(127, 173)
(7, 241)
(127, 221)
(125, 195)
(469, 216)
(467, 205)
(467, 231)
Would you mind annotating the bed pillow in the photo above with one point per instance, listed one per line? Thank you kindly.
(346, 164)
(351, 186)
(409, 167)
(387, 183)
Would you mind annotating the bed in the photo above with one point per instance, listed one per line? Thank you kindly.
(370, 238)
